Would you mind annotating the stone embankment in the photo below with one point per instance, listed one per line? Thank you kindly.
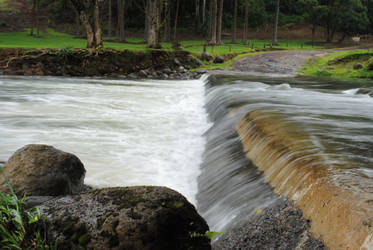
(144, 217)
(105, 62)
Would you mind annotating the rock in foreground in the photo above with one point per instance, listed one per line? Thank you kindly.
(40, 170)
(125, 218)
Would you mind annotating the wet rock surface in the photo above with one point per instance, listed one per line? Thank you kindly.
(41, 170)
(125, 218)
(279, 226)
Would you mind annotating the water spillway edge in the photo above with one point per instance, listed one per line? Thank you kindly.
(339, 205)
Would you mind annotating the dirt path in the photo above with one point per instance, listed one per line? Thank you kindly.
(284, 63)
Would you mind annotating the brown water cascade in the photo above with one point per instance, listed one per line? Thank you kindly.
(340, 208)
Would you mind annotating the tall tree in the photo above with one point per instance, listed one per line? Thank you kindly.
(275, 25)
(176, 19)
(87, 8)
(246, 24)
(37, 13)
(33, 16)
(197, 16)
(152, 14)
(234, 33)
(214, 22)
(167, 22)
(220, 22)
(110, 21)
(121, 10)
(204, 12)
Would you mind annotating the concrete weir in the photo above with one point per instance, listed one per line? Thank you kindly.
(338, 201)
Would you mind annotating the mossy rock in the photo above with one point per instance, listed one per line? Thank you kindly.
(125, 218)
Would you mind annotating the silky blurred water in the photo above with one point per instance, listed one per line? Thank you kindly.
(335, 117)
(125, 132)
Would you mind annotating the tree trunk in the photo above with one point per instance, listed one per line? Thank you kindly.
(110, 26)
(88, 29)
(204, 12)
(275, 25)
(37, 13)
(210, 21)
(220, 20)
(166, 22)
(234, 37)
(214, 23)
(33, 17)
(94, 35)
(246, 24)
(121, 20)
(313, 33)
(98, 30)
(198, 19)
(153, 12)
(176, 19)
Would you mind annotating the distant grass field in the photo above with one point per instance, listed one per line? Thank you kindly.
(53, 39)
(341, 65)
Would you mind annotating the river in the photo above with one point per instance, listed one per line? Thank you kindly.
(125, 132)
(183, 134)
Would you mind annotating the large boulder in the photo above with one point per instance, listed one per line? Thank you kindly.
(125, 218)
(41, 170)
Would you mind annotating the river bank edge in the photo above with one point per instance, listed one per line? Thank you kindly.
(151, 64)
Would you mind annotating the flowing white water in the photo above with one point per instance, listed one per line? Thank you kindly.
(125, 132)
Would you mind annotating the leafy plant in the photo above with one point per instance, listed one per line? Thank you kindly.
(208, 234)
(19, 226)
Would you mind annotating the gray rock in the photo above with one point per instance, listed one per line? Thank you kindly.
(177, 62)
(167, 70)
(181, 69)
(201, 72)
(125, 218)
(143, 73)
(133, 76)
(219, 59)
(32, 201)
(206, 56)
(279, 226)
(42, 170)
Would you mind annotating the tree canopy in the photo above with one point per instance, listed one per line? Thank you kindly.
(164, 19)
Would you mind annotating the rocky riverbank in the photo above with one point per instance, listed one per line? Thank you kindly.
(152, 64)
(76, 217)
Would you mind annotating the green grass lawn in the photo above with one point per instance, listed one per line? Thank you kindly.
(341, 65)
(53, 39)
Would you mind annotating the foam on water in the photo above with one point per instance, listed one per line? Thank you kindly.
(125, 132)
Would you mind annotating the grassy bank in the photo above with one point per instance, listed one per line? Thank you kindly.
(52, 39)
(343, 64)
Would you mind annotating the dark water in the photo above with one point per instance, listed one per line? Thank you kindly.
(328, 120)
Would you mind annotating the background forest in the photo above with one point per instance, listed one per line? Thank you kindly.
(173, 20)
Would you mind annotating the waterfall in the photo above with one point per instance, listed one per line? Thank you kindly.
(301, 142)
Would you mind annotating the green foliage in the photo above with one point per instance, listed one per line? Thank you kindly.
(341, 65)
(208, 234)
(17, 224)
(3, 23)
(212, 234)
